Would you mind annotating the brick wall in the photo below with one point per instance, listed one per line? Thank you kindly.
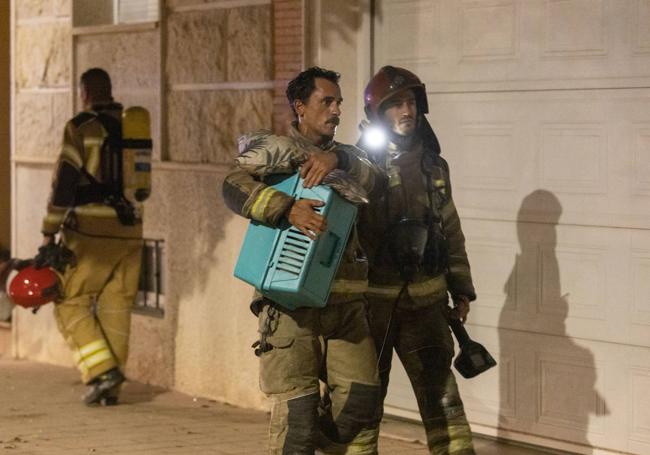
(288, 55)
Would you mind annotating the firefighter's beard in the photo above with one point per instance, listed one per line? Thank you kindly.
(404, 126)
(403, 141)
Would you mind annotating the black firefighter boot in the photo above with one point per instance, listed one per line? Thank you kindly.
(103, 387)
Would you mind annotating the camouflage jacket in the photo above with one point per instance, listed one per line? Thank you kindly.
(246, 194)
(407, 197)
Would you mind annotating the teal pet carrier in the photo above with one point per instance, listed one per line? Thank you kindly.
(287, 266)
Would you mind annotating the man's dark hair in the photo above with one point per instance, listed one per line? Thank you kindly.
(302, 86)
(97, 84)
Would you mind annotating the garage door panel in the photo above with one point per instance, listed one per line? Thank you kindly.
(558, 279)
(421, 44)
(494, 291)
(575, 28)
(580, 268)
(591, 149)
(573, 158)
(495, 391)
(488, 30)
(640, 410)
(563, 387)
(472, 45)
(641, 160)
(560, 376)
(586, 392)
(640, 311)
(541, 108)
(488, 154)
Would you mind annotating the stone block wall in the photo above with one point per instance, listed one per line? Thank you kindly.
(219, 78)
(42, 43)
(42, 76)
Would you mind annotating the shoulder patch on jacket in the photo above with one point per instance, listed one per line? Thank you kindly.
(352, 149)
(443, 163)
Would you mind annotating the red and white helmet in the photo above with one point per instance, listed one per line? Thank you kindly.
(388, 81)
(31, 287)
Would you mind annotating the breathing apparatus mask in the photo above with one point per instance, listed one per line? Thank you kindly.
(473, 359)
(407, 244)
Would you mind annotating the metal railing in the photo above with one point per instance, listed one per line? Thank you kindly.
(151, 289)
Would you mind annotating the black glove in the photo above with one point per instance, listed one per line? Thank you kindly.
(19, 264)
(54, 255)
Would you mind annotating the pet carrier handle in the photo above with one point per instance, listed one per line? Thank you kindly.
(329, 248)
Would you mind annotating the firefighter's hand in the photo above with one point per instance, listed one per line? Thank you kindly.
(461, 308)
(303, 217)
(317, 166)
(47, 239)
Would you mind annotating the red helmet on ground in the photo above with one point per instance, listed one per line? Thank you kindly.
(32, 287)
(388, 81)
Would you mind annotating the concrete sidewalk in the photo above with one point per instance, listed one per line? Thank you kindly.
(40, 413)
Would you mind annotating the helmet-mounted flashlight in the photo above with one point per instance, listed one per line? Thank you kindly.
(374, 138)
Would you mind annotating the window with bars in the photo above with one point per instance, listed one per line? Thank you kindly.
(113, 12)
(151, 290)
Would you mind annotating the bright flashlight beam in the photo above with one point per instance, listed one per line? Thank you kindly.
(374, 137)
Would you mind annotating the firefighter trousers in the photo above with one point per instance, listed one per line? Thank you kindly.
(95, 314)
(422, 340)
(332, 344)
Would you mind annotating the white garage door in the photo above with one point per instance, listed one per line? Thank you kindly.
(542, 108)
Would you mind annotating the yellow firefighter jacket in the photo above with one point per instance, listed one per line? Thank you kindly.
(80, 156)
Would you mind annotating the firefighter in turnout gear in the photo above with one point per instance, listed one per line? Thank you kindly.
(103, 229)
(408, 299)
(299, 347)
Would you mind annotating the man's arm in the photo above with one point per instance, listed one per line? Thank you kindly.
(355, 162)
(64, 183)
(347, 158)
(250, 198)
(459, 277)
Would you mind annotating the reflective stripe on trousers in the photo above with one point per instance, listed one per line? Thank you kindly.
(422, 340)
(107, 272)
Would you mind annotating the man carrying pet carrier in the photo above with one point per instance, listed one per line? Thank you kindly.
(299, 347)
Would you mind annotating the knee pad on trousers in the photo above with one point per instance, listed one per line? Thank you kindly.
(359, 411)
(302, 425)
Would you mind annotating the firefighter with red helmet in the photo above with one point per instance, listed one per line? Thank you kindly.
(417, 260)
(102, 229)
